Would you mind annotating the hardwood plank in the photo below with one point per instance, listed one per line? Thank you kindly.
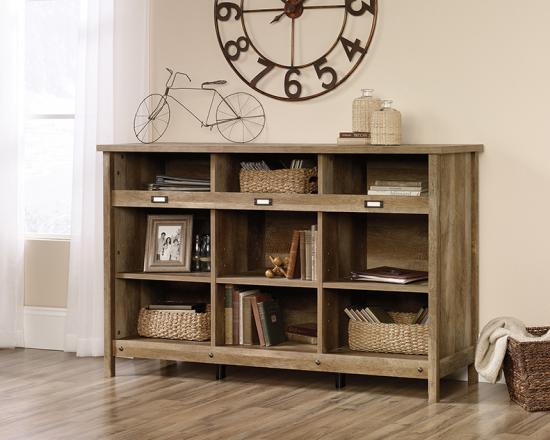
(54, 395)
(290, 148)
(434, 282)
(279, 202)
(191, 277)
(109, 263)
(419, 287)
(259, 280)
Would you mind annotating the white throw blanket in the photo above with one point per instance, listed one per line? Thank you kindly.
(493, 340)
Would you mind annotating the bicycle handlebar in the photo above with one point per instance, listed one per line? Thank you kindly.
(172, 78)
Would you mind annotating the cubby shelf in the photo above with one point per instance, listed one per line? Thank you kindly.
(420, 287)
(191, 277)
(256, 280)
(437, 233)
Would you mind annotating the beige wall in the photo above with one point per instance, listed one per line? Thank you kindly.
(460, 71)
(46, 272)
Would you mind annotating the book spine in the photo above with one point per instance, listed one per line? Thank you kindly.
(394, 193)
(235, 301)
(263, 319)
(258, 321)
(314, 252)
(308, 254)
(302, 255)
(228, 316)
(247, 321)
(301, 338)
(293, 255)
(301, 331)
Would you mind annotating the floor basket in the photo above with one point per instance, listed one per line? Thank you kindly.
(402, 337)
(527, 372)
(174, 324)
(293, 180)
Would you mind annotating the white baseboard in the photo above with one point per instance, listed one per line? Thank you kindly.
(44, 327)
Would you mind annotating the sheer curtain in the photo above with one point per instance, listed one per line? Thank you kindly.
(113, 73)
(11, 151)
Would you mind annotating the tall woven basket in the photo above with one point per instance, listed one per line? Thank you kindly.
(527, 372)
(174, 324)
(403, 337)
(292, 180)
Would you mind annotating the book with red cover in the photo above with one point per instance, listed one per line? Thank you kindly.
(293, 259)
(386, 274)
(254, 300)
(307, 329)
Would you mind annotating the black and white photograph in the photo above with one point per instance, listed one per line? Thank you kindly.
(168, 243)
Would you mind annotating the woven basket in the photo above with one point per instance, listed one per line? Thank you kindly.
(527, 371)
(299, 180)
(402, 337)
(174, 324)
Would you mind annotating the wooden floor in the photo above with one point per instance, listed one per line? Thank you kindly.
(53, 395)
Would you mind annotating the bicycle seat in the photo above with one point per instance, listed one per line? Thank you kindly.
(219, 82)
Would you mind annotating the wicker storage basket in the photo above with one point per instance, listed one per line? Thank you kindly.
(527, 371)
(298, 180)
(174, 324)
(402, 337)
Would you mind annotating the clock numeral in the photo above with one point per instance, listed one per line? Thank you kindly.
(293, 83)
(352, 48)
(223, 11)
(364, 7)
(325, 71)
(269, 66)
(241, 45)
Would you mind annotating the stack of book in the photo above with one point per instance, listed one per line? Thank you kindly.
(252, 318)
(168, 183)
(386, 274)
(377, 315)
(304, 333)
(354, 138)
(397, 188)
(302, 259)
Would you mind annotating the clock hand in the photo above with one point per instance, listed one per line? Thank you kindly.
(278, 17)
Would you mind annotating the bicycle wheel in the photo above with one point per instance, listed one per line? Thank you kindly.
(240, 117)
(152, 118)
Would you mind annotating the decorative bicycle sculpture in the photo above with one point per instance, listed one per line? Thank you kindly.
(240, 117)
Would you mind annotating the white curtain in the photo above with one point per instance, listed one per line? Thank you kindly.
(113, 65)
(11, 218)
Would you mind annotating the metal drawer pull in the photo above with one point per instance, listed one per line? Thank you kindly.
(263, 202)
(159, 199)
(374, 204)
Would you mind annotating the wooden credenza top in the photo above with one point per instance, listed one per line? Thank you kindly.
(259, 148)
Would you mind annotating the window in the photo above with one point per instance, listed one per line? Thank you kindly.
(51, 48)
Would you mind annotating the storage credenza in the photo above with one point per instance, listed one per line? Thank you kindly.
(437, 232)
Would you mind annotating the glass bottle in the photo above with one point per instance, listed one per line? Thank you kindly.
(363, 107)
(386, 125)
(196, 254)
(205, 253)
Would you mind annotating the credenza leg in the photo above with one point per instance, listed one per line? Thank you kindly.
(220, 372)
(340, 380)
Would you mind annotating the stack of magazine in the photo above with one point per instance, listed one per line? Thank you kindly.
(386, 274)
(168, 183)
(397, 188)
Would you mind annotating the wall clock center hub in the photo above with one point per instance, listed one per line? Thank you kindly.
(294, 8)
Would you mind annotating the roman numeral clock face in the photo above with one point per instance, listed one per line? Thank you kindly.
(295, 50)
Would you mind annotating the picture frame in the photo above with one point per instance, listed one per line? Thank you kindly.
(168, 243)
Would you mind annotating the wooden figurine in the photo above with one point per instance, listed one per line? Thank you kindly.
(279, 267)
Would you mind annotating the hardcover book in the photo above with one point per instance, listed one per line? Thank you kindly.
(272, 323)
(386, 274)
(254, 301)
(242, 316)
(307, 329)
(293, 259)
(228, 312)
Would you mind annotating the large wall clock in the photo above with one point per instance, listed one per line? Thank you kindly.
(295, 50)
